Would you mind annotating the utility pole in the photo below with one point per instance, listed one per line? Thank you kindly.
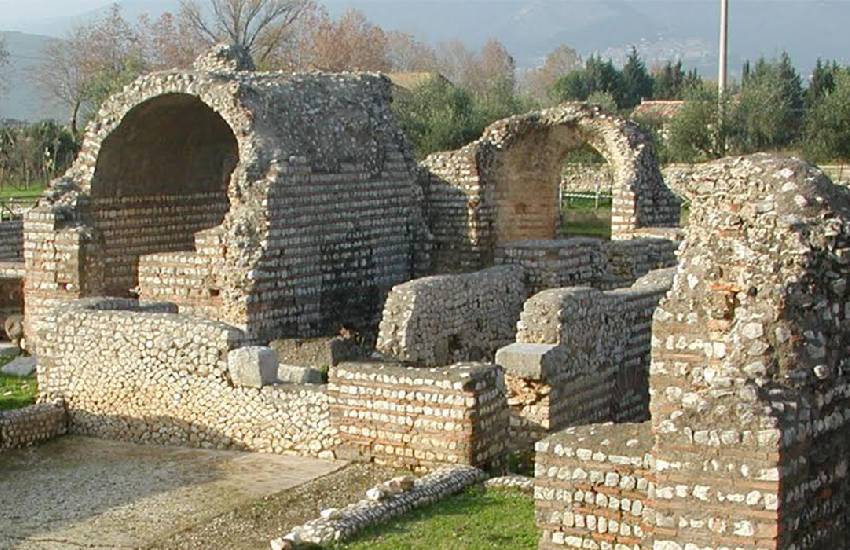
(724, 44)
(722, 76)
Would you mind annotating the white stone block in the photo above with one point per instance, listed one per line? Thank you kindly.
(253, 367)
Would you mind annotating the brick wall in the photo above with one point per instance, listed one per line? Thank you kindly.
(419, 418)
(592, 487)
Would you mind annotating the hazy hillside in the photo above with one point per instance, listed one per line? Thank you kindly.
(661, 29)
(19, 97)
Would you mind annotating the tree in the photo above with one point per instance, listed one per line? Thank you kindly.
(539, 82)
(91, 63)
(259, 26)
(671, 82)
(350, 44)
(598, 75)
(168, 42)
(827, 133)
(406, 54)
(694, 134)
(770, 108)
(822, 83)
(637, 84)
(436, 116)
(604, 100)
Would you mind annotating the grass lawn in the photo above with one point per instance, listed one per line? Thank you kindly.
(8, 191)
(16, 393)
(582, 219)
(472, 520)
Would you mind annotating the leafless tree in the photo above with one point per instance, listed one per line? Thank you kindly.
(259, 26)
(4, 62)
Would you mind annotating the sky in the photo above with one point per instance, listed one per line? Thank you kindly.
(26, 9)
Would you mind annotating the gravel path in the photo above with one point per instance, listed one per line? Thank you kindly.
(252, 526)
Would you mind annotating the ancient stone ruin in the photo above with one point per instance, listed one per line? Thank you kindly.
(254, 261)
(747, 442)
(283, 205)
(503, 187)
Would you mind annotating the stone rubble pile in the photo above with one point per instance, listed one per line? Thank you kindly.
(381, 504)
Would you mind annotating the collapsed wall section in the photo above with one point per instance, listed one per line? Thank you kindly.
(444, 319)
(581, 356)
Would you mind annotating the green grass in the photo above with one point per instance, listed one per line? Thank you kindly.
(16, 393)
(9, 190)
(473, 520)
(582, 219)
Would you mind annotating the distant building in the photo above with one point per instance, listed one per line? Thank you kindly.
(658, 113)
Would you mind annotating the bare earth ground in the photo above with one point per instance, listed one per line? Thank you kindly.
(81, 492)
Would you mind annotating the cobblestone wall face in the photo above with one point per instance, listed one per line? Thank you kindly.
(588, 262)
(445, 319)
(12, 241)
(592, 487)
(31, 425)
(504, 186)
(418, 418)
(144, 374)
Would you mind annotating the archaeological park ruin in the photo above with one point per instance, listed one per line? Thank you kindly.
(255, 261)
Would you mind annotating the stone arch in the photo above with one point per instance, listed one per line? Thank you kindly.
(509, 181)
(161, 176)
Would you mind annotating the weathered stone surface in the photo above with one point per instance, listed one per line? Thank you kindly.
(138, 373)
(397, 497)
(316, 352)
(252, 367)
(20, 366)
(749, 433)
(292, 374)
(444, 319)
(528, 361)
(32, 425)
(420, 418)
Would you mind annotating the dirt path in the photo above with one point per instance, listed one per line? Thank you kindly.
(81, 492)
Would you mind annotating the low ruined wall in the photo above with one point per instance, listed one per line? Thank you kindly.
(587, 178)
(420, 418)
(595, 367)
(141, 374)
(592, 484)
(31, 425)
(588, 262)
(446, 319)
(12, 241)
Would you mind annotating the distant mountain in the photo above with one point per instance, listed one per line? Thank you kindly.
(660, 29)
(20, 99)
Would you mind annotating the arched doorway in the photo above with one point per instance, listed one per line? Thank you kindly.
(161, 176)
